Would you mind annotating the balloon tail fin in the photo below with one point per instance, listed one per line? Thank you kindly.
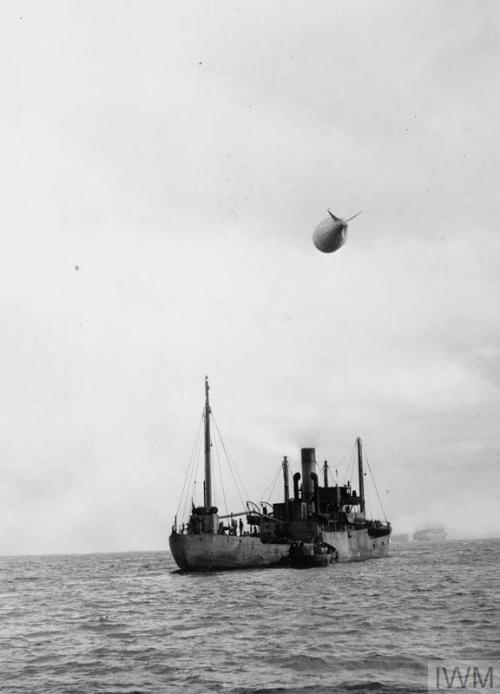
(335, 219)
(356, 215)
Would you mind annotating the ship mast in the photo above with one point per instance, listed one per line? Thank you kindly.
(360, 475)
(286, 485)
(208, 445)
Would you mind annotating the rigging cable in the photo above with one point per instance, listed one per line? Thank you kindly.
(221, 475)
(273, 483)
(195, 459)
(376, 490)
(352, 466)
(188, 469)
(268, 491)
(238, 482)
(350, 455)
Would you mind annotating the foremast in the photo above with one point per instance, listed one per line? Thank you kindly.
(207, 484)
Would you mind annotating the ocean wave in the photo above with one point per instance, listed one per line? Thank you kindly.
(117, 624)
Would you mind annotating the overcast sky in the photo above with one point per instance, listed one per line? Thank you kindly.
(163, 166)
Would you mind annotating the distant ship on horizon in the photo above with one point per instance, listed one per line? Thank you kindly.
(430, 533)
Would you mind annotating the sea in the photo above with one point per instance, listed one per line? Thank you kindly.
(131, 623)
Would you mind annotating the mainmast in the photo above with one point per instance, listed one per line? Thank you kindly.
(361, 475)
(208, 445)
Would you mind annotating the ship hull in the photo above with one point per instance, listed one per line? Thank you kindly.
(206, 552)
(213, 552)
(357, 545)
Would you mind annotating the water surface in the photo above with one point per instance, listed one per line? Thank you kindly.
(123, 623)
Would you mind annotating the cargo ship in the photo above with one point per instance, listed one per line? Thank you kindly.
(431, 533)
(315, 524)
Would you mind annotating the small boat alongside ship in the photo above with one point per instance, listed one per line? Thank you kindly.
(316, 525)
